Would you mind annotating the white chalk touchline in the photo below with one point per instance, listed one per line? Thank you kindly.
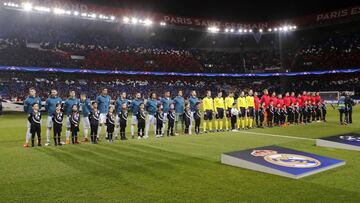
(275, 135)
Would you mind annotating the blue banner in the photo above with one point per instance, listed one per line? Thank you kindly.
(112, 72)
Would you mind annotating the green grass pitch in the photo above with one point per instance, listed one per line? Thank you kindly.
(175, 169)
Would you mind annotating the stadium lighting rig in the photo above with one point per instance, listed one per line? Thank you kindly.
(285, 28)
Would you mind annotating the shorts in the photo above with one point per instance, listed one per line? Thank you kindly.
(179, 116)
(49, 122)
(220, 113)
(228, 113)
(242, 112)
(134, 120)
(250, 112)
(68, 124)
(208, 115)
(102, 118)
(86, 122)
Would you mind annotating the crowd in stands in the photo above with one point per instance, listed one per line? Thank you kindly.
(14, 86)
(53, 43)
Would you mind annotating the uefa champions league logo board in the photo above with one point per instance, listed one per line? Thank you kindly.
(280, 161)
(348, 141)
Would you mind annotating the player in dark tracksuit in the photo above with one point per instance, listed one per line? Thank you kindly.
(35, 124)
(197, 118)
(57, 118)
(261, 113)
(171, 120)
(187, 120)
(296, 113)
(123, 115)
(141, 120)
(110, 124)
(74, 124)
(323, 112)
(283, 115)
(270, 114)
(318, 111)
(291, 113)
(277, 115)
(306, 112)
(94, 122)
(159, 116)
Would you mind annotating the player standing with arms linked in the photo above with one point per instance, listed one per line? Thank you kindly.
(219, 106)
(151, 108)
(192, 101)
(179, 103)
(135, 105)
(103, 101)
(118, 105)
(69, 103)
(50, 107)
(28, 103)
(86, 108)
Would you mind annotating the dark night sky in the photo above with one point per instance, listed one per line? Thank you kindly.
(246, 10)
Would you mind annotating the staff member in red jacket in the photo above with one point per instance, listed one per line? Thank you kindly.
(265, 98)
(293, 98)
(274, 99)
(280, 100)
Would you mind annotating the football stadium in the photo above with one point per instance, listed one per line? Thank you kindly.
(179, 101)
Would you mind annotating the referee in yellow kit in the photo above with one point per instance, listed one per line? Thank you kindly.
(219, 107)
(229, 101)
(241, 103)
(208, 108)
(250, 109)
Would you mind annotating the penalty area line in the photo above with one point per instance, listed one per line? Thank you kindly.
(275, 135)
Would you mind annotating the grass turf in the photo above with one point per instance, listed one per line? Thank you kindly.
(176, 169)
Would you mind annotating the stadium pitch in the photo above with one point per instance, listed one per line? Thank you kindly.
(175, 169)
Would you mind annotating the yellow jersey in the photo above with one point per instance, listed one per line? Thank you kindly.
(219, 103)
(241, 102)
(250, 101)
(229, 101)
(208, 104)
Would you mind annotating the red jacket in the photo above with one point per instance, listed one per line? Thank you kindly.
(317, 98)
(256, 102)
(275, 100)
(281, 102)
(300, 101)
(313, 99)
(287, 101)
(293, 99)
(266, 100)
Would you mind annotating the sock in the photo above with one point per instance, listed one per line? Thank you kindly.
(226, 123)
(210, 125)
(243, 123)
(238, 123)
(204, 125)
(27, 135)
(67, 134)
(32, 142)
(216, 124)
(106, 134)
(116, 131)
(55, 141)
(59, 141)
(221, 123)
(86, 132)
(250, 122)
(47, 134)
(98, 132)
(39, 142)
(132, 129)
(247, 122)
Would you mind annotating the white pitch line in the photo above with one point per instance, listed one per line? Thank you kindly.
(274, 135)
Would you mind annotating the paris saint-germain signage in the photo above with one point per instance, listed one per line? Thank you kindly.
(349, 141)
(280, 161)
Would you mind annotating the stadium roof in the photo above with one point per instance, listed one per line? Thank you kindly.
(248, 10)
